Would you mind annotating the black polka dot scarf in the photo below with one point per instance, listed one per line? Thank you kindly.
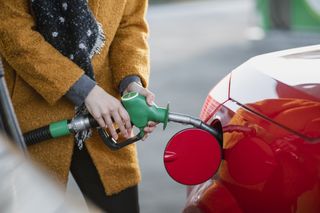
(70, 27)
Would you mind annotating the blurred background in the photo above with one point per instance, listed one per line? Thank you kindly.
(193, 45)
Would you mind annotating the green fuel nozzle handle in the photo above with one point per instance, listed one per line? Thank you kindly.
(141, 113)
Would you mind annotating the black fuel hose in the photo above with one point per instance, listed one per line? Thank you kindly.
(59, 129)
(37, 135)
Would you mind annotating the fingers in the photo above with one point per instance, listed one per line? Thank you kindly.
(100, 122)
(105, 109)
(151, 126)
(125, 119)
(120, 124)
(111, 127)
(121, 118)
(97, 116)
(149, 96)
(149, 129)
(135, 87)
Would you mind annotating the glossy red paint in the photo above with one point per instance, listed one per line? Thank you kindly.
(189, 152)
(271, 125)
(251, 161)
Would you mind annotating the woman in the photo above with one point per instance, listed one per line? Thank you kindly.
(53, 70)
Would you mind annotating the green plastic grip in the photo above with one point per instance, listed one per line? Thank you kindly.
(59, 129)
(141, 113)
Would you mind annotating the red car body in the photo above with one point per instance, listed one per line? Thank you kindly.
(269, 109)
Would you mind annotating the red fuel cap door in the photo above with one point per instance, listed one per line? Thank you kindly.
(192, 156)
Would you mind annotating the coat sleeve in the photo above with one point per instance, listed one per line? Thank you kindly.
(129, 51)
(34, 60)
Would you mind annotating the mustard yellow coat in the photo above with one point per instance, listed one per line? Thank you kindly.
(38, 76)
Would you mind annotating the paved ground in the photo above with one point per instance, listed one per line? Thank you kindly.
(193, 45)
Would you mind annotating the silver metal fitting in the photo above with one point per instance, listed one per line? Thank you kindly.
(79, 123)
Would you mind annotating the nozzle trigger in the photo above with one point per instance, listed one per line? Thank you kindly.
(113, 144)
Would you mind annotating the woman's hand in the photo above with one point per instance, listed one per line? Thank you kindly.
(104, 108)
(136, 87)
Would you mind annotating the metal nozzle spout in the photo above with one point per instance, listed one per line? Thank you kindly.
(188, 120)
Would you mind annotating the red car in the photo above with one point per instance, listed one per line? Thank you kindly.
(269, 109)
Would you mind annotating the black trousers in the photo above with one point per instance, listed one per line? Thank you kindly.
(88, 180)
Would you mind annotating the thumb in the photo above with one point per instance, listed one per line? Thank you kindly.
(150, 99)
(149, 96)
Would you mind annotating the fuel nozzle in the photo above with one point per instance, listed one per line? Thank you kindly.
(141, 113)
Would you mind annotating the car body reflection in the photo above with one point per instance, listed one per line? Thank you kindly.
(271, 149)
